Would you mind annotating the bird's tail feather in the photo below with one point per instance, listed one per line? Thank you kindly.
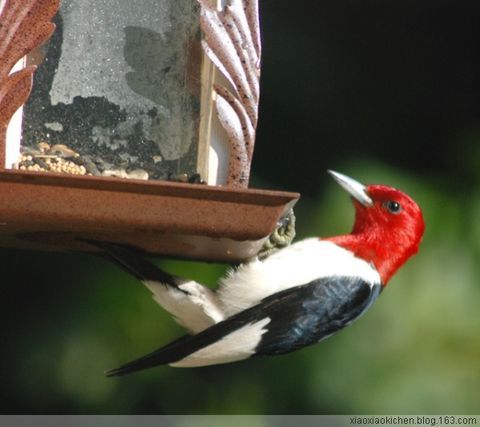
(134, 263)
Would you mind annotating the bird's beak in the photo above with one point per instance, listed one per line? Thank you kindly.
(354, 188)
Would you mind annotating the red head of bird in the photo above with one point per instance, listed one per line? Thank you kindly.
(388, 225)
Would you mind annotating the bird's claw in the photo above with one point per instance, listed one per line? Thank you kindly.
(281, 237)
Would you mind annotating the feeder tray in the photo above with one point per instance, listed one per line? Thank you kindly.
(44, 212)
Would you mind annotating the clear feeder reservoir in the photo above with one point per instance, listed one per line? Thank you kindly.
(117, 92)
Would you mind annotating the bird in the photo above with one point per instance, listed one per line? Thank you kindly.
(295, 297)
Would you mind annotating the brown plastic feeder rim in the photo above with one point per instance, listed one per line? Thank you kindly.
(46, 211)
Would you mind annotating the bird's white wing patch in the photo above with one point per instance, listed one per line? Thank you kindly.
(238, 345)
(296, 265)
(195, 310)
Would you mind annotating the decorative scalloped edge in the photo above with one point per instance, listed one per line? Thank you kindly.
(24, 25)
(232, 42)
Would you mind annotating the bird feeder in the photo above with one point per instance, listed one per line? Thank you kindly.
(132, 122)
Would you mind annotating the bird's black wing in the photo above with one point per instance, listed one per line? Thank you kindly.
(298, 317)
(312, 312)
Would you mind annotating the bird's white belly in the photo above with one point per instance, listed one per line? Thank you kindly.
(295, 265)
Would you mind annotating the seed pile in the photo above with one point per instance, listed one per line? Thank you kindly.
(59, 158)
(45, 158)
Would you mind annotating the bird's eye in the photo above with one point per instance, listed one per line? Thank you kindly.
(393, 206)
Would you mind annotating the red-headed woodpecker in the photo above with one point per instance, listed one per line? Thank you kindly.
(294, 298)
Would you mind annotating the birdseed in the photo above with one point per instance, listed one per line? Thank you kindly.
(60, 158)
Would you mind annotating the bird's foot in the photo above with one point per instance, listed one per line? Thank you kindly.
(281, 237)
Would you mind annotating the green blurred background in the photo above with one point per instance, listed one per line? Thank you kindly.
(385, 91)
